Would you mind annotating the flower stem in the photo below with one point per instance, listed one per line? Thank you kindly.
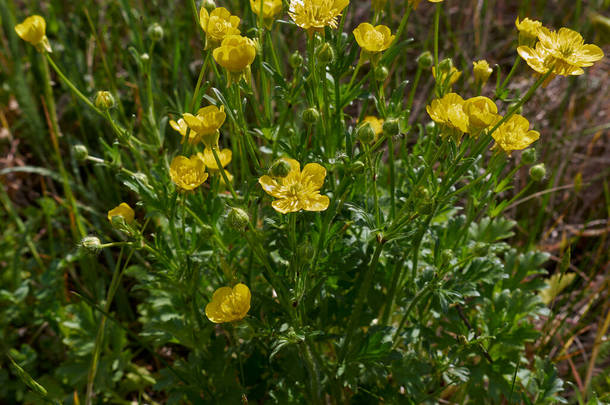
(221, 169)
(206, 60)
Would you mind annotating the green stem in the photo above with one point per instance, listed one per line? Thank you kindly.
(437, 16)
(510, 75)
(206, 60)
(414, 301)
(221, 169)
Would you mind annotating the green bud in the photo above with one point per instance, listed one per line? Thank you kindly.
(237, 219)
(280, 168)
(430, 125)
(155, 32)
(311, 116)
(104, 100)
(445, 65)
(91, 243)
(381, 73)
(425, 60)
(538, 172)
(513, 105)
(80, 152)
(145, 57)
(206, 231)
(325, 53)
(446, 256)
(209, 5)
(529, 156)
(296, 60)
(480, 248)
(365, 133)
(357, 167)
(391, 127)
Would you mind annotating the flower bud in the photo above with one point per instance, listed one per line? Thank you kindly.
(237, 219)
(357, 167)
(445, 65)
(481, 71)
(155, 32)
(529, 156)
(296, 60)
(280, 168)
(209, 5)
(446, 256)
(381, 73)
(424, 60)
(80, 152)
(391, 127)
(430, 125)
(325, 53)
(311, 116)
(365, 133)
(538, 172)
(104, 100)
(145, 57)
(90, 243)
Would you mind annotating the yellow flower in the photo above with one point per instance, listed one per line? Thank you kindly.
(314, 15)
(554, 285)
(528, 30)
(229, 304)
(236, 54)
(218, 25)
(565, 51)
(299, 190)
(188, 174)
(375, 123)
(224, 155)
(180, 127)
(482, 113)
(514, 134)
(32, 30)
(481, 71)
(204, 126)
(124, 211)
(271, 8)
(449, 111)
(373, 39)
(449, 77)
(415, 3)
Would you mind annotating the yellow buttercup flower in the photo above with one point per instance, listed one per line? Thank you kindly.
(564, 51)
(375, 123)
(270, 9)
(124, 211)
(218, 25)
(481, 71)
(224, 155)
(229, 304)
(373, 39)
(204, 126)
(179, 126)
(299, 190)
(528, 30)
(314, 15)
(187, 173)
(236, 54)
(449, 77)
(482, 112)
(33, 30)
(415, 3)
(449, 111)
(515, 134)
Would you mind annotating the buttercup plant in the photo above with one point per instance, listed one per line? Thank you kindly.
(346, 239)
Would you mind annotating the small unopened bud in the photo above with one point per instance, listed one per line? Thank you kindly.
(280, 168)
(104, 100)
(80, 153)
(325, 53)
(480, 248)
(381, 73)
(481, 71)
(209, 5)
(445, 65)
(311, 116)
(155, 32)
(296, 60)
(538, 172)
(357, 167)
(446, 256)
(145, 57)
(365, 133)
(206, 231)
(91, 244)
(424, 60)
(430, 125)
(237, 219)
(391, 127)
(529, 156)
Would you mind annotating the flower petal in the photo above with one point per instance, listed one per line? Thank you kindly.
(313, 175)
(271, 186)
(286, 205)
(316, 202)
